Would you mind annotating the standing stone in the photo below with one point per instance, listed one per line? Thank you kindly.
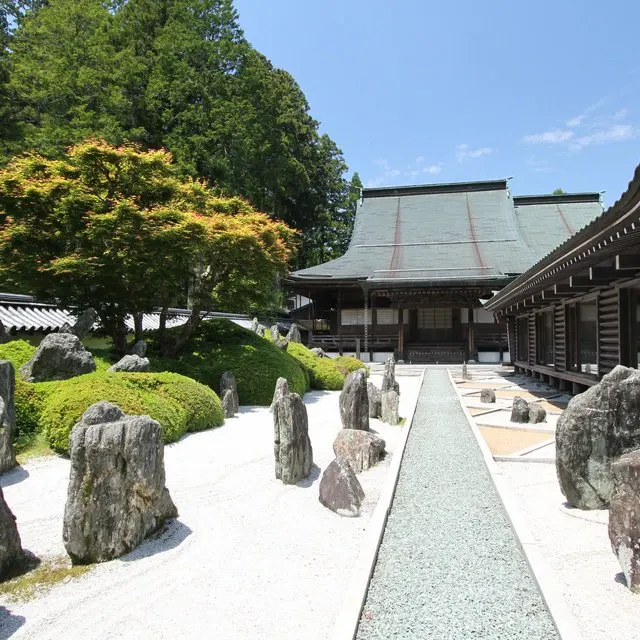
(7, 416)
(281, 343)
(390, 404)
(262, 330)
(254, 325)
(85, 321)
(139, 349)
(375, 400)
(4, 334)
(65, 328)
(294, 333)
(282, 389)
(131, 364)
(354, 402)
(537, 413)
(624, 516)
(340, 489)
(228, 404)
(117, 494)
(60, 356)
(228, 383)
(465, 372)
(595, 429)
(361, 449)
(487, 396)
(275, 334)
(389, 376)
(520, 410)
(10, 545)
(291, 443)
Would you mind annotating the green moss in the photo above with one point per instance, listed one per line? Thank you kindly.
(347, 364)
(18, 352)
(220, 345)
(36, 447)
(177, 403)
(324, 373)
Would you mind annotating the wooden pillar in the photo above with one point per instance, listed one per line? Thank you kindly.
(310, 336)
(400, 334)
(339, 310)
(366, 321)
(471, 334)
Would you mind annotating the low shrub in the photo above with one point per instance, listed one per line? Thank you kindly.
(220, 345)
(324, 373)
(347, 364)
(177, 403)
(29, 400)
(18, 352)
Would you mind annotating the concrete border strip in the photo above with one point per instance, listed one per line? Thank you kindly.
(563, 619)
(348, 619)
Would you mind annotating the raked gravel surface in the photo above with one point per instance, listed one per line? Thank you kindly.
(248, 558)
(449, 566)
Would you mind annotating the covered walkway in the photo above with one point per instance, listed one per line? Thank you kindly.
(449, 565)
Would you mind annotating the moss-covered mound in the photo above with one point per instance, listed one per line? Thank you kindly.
(348, 364)
(323, 372)
(176, 402)
(219, 346)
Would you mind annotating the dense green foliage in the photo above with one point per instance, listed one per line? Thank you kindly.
(180, 75)
(177, 403)
(347, 364)
(220, 345)
(323, 372)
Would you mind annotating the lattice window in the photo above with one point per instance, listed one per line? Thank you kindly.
(435, 318)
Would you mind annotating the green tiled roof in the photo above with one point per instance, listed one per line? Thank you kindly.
(450, 233)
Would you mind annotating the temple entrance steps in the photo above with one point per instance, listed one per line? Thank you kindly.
(434, 354)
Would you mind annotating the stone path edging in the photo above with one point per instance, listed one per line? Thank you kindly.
(562, 618)
(346, 625)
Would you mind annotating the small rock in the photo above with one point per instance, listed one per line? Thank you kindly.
(465, 372)
(340, 489)
(7, 416)
(139, 349)
(375, 400)
(228, 383)
(281, 343)
(10, 545)
(294, 333)
(60, 356)
(228, 404)
(361, 449)
(84, 323)
(102, 412)
(487, 395)
(520, 410)
(282, 389)
(291, 443)
(131, 364)
(354, 402)
(317, 351)
(65, 328)
(537, 413)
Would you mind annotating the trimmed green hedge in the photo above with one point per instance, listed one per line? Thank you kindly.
(176, 402)
(347, 364)
(324, 373)
(220, 345)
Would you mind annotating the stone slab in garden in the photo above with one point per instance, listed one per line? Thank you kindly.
(354, 401)
(624, 516)
(340, 490)
(294, 333)
(595, 429)
(228, 404)
(361, 449)
(390, 394)
(139, 349)
(58, 357)
(375, 400)
(228, 383)
(117, 494)
(487, 396)
(10, 545)
(291, 443)
(131, 363)
(281, 390)
(7, 416)
(85, 322)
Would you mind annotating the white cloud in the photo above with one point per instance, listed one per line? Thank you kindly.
(621, 114)
(434, 169)
(550, 137)
(463, 152)
(420, 159)
(614, 133)
(577, 121)
(388, 175)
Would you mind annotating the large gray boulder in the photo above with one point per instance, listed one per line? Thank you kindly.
(537, 413)
(228, 404)
(595, 429)
(624, 516)
(520, 410)
(10, 545)
(228, 383)
(361, 449)
(487, 396)
(117, 494)
(294, 333)
(291, 443)
(354, 402)
(139, 349)
(85, 321)
(60, 356)
(375, 400)
(281, 390)
(7, 416)
(389, 377)
(131, 364)
(340, 489)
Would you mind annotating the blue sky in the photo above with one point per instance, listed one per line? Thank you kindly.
(420, 92)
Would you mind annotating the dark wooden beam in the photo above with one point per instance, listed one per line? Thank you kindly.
(628, 263)
(550, 295)
(604, 273)
(568, 290)
(583, 281)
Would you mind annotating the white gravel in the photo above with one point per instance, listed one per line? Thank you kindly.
(247, 558)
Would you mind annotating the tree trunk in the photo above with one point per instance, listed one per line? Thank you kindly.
(118, 331)
(172, 350)
(162, 329)
(137, 323)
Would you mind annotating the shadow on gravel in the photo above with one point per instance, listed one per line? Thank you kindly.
(169, 537)
(9, 623)
(313, 476)
(620, 579)
(13, 477)
(311, 397)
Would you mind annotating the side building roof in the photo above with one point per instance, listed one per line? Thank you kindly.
(451, 233)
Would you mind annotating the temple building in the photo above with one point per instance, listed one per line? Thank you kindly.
(421, 259)
(575, 314)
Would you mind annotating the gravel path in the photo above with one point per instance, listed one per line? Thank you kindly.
(449, 565)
